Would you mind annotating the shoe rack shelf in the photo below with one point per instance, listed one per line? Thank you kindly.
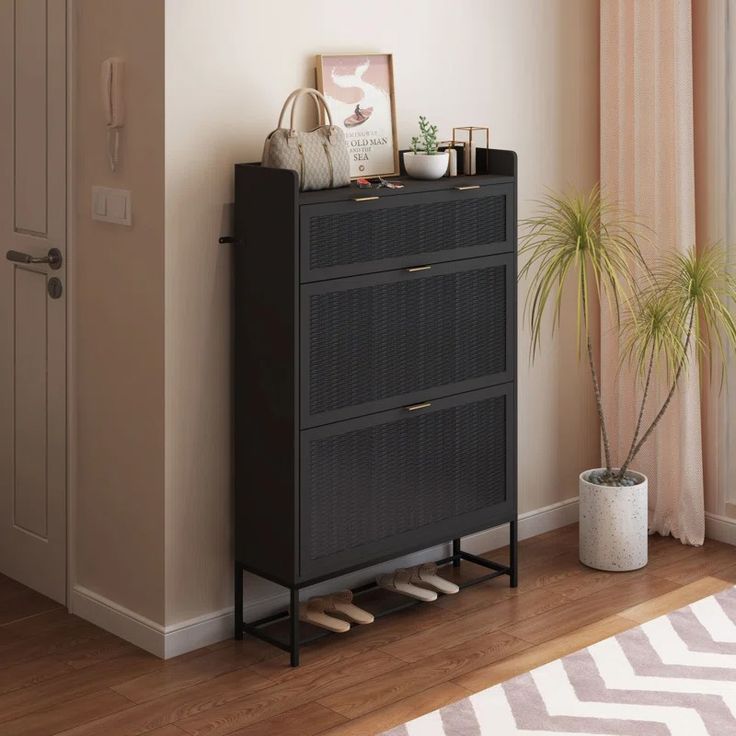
(374, 378)
(278, 629)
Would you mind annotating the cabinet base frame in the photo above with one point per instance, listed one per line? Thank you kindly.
(259, 627)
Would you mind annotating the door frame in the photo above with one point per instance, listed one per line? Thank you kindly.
(71, 391)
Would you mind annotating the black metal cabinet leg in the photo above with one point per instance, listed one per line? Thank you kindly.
(294, 614)
(514, 553)
(456, 553)
(238, 628)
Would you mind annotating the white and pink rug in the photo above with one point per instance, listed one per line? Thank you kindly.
(672, 676)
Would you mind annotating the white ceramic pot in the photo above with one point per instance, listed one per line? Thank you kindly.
(424, 166)
(613, 524)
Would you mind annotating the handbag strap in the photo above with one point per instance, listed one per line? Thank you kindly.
(319, 101)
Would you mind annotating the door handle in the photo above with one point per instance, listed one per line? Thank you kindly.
(417, 407)
(53, 258)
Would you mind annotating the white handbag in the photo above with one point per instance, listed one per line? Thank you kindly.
(319, 156)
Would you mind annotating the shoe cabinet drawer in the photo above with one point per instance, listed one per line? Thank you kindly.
(371, 343)
(373, 233)
(383, 485)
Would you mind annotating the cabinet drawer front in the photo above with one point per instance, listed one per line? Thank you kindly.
(376, 342)
(346, 238)
(379, 486)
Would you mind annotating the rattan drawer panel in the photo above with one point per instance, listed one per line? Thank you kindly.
(369, 484)
(375, 235)
(375, 342)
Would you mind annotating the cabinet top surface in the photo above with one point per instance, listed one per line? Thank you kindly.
(411, 186)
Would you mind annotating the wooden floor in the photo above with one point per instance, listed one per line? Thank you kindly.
(61, 675)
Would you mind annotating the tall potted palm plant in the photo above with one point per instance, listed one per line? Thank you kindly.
(666, 314)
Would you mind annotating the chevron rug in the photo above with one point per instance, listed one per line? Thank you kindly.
(672, 676)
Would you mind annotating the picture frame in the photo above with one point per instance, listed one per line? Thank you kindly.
(359, 88)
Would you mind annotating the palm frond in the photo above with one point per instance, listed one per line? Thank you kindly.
(699, 281)
(584, 239)
(653, 330)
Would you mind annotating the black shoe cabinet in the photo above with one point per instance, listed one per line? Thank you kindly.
(375, 376)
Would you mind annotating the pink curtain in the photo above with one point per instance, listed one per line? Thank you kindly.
(647, 164)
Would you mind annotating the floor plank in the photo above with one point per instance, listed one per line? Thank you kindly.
(411, 679)
(65, 715)
(727, 573)
(304, 720)
(76, 684)
(704, 561)
(145, 717)
(166, 680)
(290, 689)
(33, 672)
(536, 656)
(537, 571)
(24, 604)
(397, 713)
(620, 594)
(52, 633)
(677, 598)
(476, 623)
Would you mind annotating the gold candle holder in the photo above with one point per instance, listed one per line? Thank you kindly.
(469, 164)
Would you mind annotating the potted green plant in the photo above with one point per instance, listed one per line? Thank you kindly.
(666, 313)
(425, 161)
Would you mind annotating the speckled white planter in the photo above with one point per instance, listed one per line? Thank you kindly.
(613, 525)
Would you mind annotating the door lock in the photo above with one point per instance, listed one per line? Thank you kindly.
(55, 288)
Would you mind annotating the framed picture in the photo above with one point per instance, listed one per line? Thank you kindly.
(360, 92)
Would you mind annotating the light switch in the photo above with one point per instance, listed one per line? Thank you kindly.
(116, 206)
(111, 205)
(99, 204)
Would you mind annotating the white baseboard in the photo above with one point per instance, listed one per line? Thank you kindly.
(170, 641)
(163, 641)
(720, 528)
(531, 523)
(118, 620)
(198, 632)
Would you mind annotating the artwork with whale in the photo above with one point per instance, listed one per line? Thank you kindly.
(360, 92)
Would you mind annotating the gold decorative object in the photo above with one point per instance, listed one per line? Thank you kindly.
(469, 163)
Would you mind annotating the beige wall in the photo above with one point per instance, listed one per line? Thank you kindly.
(118, 339)
(528, 68)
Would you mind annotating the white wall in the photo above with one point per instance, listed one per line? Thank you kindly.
(117, 497)
(528, 69)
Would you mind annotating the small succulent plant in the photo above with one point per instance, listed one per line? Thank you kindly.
(426, 141)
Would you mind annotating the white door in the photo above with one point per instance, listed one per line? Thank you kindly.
(32, 294)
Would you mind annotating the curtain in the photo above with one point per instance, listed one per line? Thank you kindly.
(714, 82)
(648, 165)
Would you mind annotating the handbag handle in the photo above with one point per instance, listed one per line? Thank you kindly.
(319, 101)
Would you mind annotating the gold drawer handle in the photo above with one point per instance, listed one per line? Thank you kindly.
(414, 269)
(471, 186)
(416, 407)
(364, 199)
